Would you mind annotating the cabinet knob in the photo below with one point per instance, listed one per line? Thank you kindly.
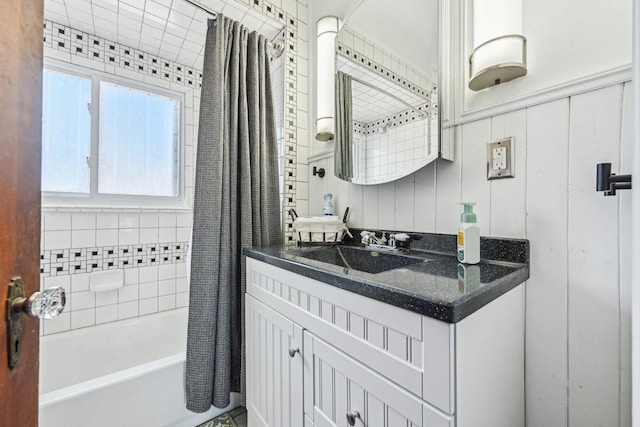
(351, 417)
(293, 351)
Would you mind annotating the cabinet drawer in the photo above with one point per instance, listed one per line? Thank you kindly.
(405, 347)
(337, 385)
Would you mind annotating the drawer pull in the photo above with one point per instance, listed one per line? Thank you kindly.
(293, 351)
(351, 417)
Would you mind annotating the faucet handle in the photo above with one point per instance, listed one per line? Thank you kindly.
(401, 237)
(366, 236)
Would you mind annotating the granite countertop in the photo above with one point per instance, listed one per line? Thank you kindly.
(436, 286)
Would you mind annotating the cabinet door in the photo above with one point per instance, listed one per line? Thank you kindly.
(274, 368)
(336, 385)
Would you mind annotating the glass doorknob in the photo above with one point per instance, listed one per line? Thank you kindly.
(47, 304)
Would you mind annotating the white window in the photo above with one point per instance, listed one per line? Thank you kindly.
(109, 141)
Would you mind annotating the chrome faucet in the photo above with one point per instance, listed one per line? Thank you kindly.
(369, 239)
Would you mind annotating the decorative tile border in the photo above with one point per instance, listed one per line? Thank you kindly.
(74, 42)
(383, 71)
(61, 262)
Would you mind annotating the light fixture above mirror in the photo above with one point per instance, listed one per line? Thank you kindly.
(500, 53)
(327, 29)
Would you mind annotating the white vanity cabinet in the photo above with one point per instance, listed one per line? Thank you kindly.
(318, 355)
(274, 373)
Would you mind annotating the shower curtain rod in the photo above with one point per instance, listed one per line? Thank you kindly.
(277, 44)
(420, 113)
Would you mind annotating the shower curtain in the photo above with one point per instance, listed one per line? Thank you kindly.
(343, 146)
(236, 206)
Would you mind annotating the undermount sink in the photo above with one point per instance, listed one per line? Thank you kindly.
(368, 261)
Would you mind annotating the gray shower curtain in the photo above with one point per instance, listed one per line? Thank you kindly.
(343, 145)
(236, 206)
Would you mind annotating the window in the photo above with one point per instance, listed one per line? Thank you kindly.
(107, 140)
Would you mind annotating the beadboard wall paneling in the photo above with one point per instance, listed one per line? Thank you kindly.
(593, 261)
(546, 293)
(626, 261)
(508, 196)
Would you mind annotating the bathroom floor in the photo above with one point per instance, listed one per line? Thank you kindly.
(239, 416)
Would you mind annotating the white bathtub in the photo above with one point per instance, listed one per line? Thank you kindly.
(127, 373)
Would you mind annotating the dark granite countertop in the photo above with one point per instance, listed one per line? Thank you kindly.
(437, 286)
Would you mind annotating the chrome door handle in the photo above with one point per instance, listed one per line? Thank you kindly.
(47, 304)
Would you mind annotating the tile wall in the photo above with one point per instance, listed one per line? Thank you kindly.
(150, 245)
(386, 153)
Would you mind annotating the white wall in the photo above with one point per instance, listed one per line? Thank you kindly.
(578, 310)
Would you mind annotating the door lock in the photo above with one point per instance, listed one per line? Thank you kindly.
(47, 304)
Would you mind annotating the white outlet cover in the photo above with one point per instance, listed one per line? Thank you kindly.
(500, 159)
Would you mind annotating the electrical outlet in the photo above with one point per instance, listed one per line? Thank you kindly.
(500, 159)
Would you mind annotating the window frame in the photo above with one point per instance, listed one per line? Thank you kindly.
(93, 198)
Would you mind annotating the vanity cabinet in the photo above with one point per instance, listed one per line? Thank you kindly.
(318, 355)
(274, 373)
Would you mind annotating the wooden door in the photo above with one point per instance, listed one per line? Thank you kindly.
(20, 140)
(274, 368)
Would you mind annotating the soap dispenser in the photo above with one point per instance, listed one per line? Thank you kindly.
(327, 209)
(468, 236)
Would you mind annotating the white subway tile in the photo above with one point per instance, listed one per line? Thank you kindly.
(166, 287)
(57, 239)
(184, 220)
(166, 271)
(148, 220)
(128, 236)
(166, 302)
(83, 221)
(128, 293)
(59, 324)
(182, 285)
(149, 274)
(149, 235)
(128, 220)
(107, 237)
(128, 310)
(148, 290)
(107, 313)
(83, 318)
(183, 234)
(83, 238)
(107, 220)
(106, 298)
(64, 281)
(182, 299)
(131, 276)
(81, 300)
(148, 306)
(181, 269)
(167, 234)
(79, 282)
(167, 220)
(55, 221)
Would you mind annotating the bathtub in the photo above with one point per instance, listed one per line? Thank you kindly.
(126, 373)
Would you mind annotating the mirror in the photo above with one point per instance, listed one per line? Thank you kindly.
(387, 83)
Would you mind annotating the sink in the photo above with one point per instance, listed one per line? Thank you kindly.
(359, 259)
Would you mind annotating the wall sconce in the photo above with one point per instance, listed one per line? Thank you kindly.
(500, 53)
(327, 28)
